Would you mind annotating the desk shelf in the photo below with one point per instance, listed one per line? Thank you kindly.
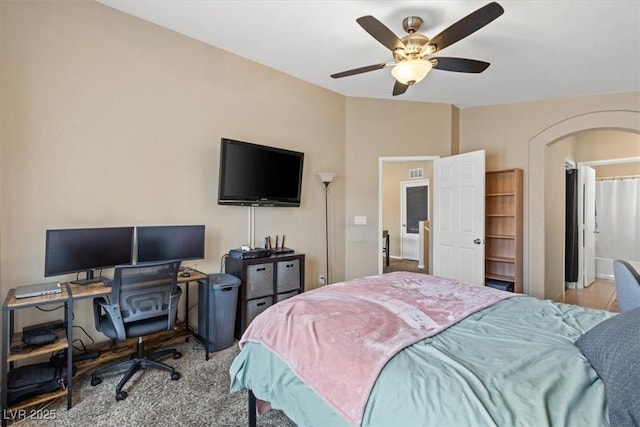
(59, 344)
(36, 400)
(11, 338)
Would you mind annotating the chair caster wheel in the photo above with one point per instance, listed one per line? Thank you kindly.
(121, 396)
(96, 381)
(175, 376)
(177, 355)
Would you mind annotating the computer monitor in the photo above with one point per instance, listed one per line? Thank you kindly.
(78, 250)
(167, 242)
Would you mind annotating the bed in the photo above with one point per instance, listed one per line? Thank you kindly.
(460, 355)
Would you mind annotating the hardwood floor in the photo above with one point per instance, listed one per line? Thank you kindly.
(601, 294)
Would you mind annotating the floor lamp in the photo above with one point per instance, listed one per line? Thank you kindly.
(326, 178)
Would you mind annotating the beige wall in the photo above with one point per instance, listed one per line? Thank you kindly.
(605, 144)
(516, 135)
(374, 129)
(618, 170)
(393, 174)
(110, 120)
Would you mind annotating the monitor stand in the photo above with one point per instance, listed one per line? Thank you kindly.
(89, 280)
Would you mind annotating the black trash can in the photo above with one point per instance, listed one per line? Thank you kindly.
(216, 325)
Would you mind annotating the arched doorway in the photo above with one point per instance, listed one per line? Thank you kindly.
(621, 120)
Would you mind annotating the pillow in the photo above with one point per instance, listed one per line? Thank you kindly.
(613, 349)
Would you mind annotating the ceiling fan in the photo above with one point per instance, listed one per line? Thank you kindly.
(411, 53)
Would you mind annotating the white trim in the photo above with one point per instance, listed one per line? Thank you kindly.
(610, 161)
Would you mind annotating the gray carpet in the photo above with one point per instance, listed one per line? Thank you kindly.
(200, 398)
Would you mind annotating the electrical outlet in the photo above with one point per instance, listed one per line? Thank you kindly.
(322, 280)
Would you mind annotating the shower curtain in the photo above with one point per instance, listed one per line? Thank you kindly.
(618, 219)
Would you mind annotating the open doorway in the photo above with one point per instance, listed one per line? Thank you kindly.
(392, 171)
(414, 211)
(613, 215)
(591, 146)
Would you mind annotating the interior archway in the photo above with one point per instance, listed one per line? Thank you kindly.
(535, 267)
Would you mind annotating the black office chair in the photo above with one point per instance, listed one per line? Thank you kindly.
(627, 285)
(143, 300)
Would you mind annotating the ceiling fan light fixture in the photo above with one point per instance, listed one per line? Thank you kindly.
(412, 71)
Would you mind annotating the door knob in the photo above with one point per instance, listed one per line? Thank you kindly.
(478, 241)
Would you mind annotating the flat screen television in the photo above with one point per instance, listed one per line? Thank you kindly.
(258, 175)
(77, 250)
(166, 242)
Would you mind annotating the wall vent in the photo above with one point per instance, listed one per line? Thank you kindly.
(417, 173)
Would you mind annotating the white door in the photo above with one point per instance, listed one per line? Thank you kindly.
(587, 224)
(414, 207)
(458, 217)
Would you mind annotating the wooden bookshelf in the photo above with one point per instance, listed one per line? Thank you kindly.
(503, 228)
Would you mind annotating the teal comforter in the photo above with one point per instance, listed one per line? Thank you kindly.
(512, 364)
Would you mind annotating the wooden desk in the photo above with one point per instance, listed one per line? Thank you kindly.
(70, 293)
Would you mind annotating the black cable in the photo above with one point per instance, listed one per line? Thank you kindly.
(86, 333)
(53, 309)
(83, 349)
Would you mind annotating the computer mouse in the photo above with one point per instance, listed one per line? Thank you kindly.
(185, 274)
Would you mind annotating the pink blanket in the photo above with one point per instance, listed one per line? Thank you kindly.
(338, 338)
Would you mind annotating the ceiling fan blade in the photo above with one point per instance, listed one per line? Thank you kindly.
(380, 32)
(359, 70)
(399, 88)
(466, 26)
(460, 65)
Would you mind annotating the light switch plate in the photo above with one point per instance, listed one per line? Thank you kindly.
(360, 220)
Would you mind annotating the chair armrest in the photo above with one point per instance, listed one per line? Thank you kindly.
(98, 303)
(173, 308)
(113, 313)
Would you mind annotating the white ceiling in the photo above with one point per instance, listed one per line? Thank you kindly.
(537, 49)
